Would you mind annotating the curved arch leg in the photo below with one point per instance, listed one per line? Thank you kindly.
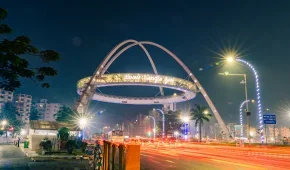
(208, 100)
(125, 49)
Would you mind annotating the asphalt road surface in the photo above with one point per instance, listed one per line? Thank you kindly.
(11, 157)
(206, 157)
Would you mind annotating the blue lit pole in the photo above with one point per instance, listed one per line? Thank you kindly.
(261, 125)
(163, 122)
(185, 120)
(241, 116)
(154, 124)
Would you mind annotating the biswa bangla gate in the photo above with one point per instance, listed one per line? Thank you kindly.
(88, 85)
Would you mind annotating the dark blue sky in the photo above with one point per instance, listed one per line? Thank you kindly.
(83, 32)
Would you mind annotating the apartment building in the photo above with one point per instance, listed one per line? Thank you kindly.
(47, 110)
(23, 106)
(5, 96)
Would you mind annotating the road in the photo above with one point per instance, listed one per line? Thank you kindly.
(206, 157)
(11, 157)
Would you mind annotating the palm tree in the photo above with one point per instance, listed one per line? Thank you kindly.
(200, 114)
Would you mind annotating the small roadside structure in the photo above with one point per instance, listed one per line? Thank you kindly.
(39, 130)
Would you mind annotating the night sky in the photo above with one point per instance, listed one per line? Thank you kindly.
(83, 32)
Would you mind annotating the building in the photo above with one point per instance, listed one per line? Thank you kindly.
(38, 130)
(23, 106)
(47, 110)
(5, 96)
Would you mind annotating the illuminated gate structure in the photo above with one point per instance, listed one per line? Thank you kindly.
(87, 86)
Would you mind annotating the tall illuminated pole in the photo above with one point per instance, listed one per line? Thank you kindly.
(163, 122)
(154, 124)
(247, 106)
(258, 93)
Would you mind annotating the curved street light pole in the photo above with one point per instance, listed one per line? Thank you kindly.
(241, 116)
(261, 125)
(154, 124)
(163, 122)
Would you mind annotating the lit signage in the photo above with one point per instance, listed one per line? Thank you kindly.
(149, 78)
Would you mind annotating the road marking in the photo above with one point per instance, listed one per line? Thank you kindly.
(147, 155)
(170, 161)
(249, 166)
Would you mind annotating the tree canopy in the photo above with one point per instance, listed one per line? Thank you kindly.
(65, 114)
(34, 114)
(200, 114)
(13, 65)
(172, 122)
(10, 114)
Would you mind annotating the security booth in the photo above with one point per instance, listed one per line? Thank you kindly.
(38, 130)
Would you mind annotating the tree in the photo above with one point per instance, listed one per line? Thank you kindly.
(65, 114)
(10, 114)
(34, 114)
(13, 65)
(200, 114)
(172, 122)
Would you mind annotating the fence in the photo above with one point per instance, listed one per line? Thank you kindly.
(120, 156)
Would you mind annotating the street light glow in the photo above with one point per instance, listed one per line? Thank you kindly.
(4, 122)
(23, 132)
(185, 119)
(230, 59)
(83, 122)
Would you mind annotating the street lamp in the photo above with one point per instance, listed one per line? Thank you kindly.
(246, 94)
(229, 60)
(154, 130)
(83, 122)
(206, 112)
(163, 121)
(4, 122)
(22, 132)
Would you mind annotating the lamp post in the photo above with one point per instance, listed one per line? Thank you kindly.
(154, 130)
(229, 59)
(163, 122)
(246, 96)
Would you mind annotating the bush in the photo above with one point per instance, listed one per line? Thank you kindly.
(70, 144)
(63, 133)
(46, 144)
(84, 146)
